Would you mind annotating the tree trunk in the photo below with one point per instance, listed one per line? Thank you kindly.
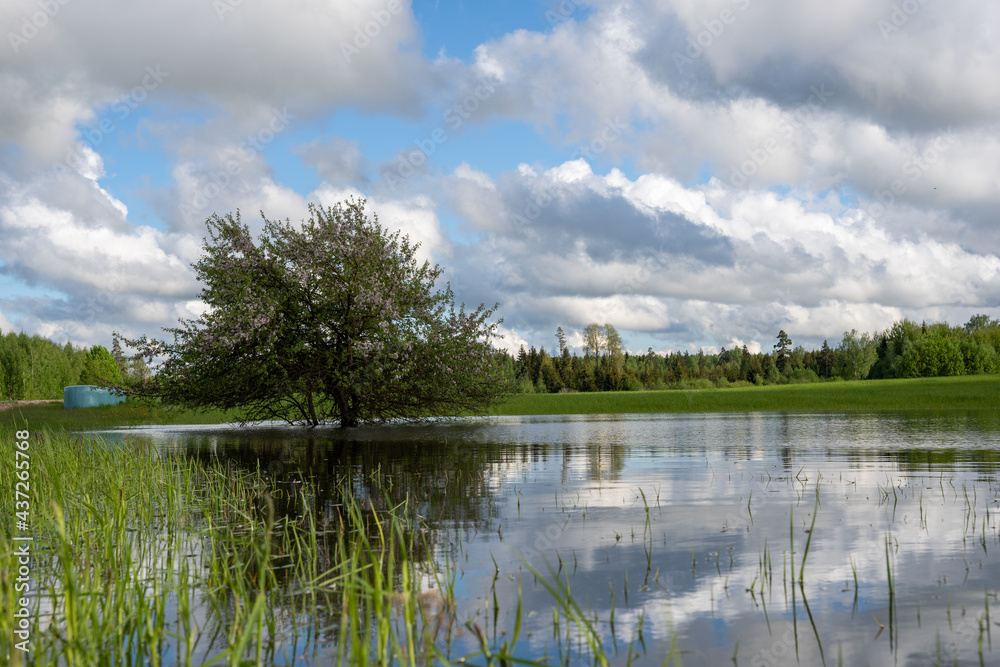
(348, 417)
(313, 421)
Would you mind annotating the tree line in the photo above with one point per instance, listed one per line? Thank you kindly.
(904, 350)
(35, 368)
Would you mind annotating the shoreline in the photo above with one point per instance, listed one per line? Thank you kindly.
(17, 404)
(941, 393)
(966, 392)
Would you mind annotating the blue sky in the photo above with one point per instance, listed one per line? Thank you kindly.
(699, 174)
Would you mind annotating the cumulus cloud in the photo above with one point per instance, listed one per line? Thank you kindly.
(702, 263)
(738, 166)
(241, 55)
(766, 94)
(338, 160)
(108, 276)
(6, 326)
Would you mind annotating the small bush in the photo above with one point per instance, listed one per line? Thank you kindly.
(803, 376)
(631, 384)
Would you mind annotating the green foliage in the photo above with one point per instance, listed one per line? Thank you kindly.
(782, 349)
(100, 368)
(826, 361)
(856, 355)
(989, 335)
(980, 321)
(549, 375)
(978, 357)
(901, 350)
(933, 355)
(803, 376)
(796, 359)
(34, 368)
(772, 375)
(333, 319)
(593, 339)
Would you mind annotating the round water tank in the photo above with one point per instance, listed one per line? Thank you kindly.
(89, 396)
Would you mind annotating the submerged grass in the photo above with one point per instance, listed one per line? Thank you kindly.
(140, 559)
(126, 545)
(963, 392)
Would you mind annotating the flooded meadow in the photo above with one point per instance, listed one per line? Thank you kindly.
(754, 539)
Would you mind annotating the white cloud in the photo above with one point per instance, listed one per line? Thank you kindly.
(807, 169)
(804, 96)
(42, 241)
(643, 263)
(414, 217)
(509, 340)
(6, 326)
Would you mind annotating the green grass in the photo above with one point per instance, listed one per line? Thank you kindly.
(963, 392)
(54, 416)
(951, 393)
(137, 557)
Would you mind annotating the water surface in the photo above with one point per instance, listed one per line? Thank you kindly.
(688, 531)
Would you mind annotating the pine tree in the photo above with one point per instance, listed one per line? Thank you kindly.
(826, 360)
(561, 337)
(782, 348)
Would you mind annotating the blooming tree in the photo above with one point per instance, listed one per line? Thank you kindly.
(333, 319)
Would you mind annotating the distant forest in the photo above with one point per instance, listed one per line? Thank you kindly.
(32, 367)
(35, 368)
(905, 350)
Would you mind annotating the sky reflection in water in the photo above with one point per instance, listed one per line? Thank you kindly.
(572, 493)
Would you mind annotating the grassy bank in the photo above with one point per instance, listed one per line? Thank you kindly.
(130, 557)
(54, 416)
(963, 392)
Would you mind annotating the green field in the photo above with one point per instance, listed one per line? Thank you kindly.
(963, 392)
(53, 416)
